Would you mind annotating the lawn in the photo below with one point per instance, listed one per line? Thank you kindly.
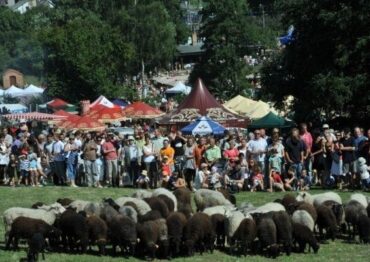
(25, 197)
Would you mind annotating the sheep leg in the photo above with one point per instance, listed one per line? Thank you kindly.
(15, 244)
(9, 240)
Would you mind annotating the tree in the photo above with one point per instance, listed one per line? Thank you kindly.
(325, 68)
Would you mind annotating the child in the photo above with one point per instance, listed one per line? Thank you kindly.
(257, 179)
(275, 181)
(337, 164)
(305, 181)
(364, 173)
(215, 178)
(290, 180)
(201, 180)
(166, 171)
(143, 180)
(32, 158)
(275, 161)
(24, 165)
(12, 170)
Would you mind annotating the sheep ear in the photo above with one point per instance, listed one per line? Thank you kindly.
(304, 195)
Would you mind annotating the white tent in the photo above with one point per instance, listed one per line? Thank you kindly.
(179, 88)
(12, 91)
(102, 100)
(14, 108)
(33, 90)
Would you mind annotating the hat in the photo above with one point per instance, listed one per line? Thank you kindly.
(325, 126)
(144, 173)
(166, 139)
(131, 138)
(203, 165)
(361, 161)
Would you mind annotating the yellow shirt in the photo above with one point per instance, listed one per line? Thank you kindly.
(169, 152)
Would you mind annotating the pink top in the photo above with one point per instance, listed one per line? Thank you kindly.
(307, 139)
(107, 146)
(231, 154)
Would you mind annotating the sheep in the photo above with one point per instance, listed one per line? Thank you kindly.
(207, 198)
(79, 205)
(183, 196)
(245, 235)
(284, 230)
(176, 222)
(129, 212)
(142, 193)
(246, 208)
(199, 232)
(98, 232)
(107, 212)
(153, 235)
(37, 205)
(49, 216)
(74, 229)
(142, 206)
(218, 210)
(303, 206)
(363, 224)
(304, 218)
(36, 245)
(111, 202)
(24, 227)
(228, 195)
(167, 193)
(288, 200)
(156, 203)
(360, 198)
(269, 207)
(353, 209)
(302, 235)
(168, 202)
(232, 222)
(337, 209)
(122, 233)
(150, 216)
(326, 220)
(64, 201)
(318, 199)
(368, 210)
(93, 208)
(218, 223)
(266, 232)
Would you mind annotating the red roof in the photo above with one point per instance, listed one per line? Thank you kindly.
(141, 110)
(200, 102)
(83, 123)
(56, 103)
(106, 114)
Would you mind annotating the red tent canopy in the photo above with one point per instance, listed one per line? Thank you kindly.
(34, 116)
(141, 110)
(200, 102)
(106, 114)
(57, 103)
(64, 113)
(85, 123)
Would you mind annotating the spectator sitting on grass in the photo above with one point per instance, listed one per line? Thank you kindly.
(275, 181)
(305, 182)
(257, 180)
(290, 181)
(143, 180)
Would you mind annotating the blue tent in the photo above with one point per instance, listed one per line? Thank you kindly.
(120, 102)
(288, 38)
(203, 126)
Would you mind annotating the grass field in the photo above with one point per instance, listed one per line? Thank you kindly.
(25, 197)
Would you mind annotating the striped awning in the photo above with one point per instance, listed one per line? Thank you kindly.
(33, 116)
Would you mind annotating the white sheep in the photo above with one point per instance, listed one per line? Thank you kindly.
(208, 198)
(268, 207)
(304, 218)
(142, 206)
(222, 210)
(79, 205)
(362, 199)
(167, 193)
(142, 193)
(318, 199)
(232, 222)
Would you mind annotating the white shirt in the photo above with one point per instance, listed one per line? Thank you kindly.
(258, 145)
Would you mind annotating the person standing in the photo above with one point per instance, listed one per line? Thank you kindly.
(178, 144)
(90, 155)
(199, 150)
(257, 149)
(348, 147)
(169, 152)
(110, 156)
(59, 160)
(306, 137)
(212, 154)
(231, 154)
(4, 159)
(150, 162)
(295, 152)
(132, 160)
(71, 158)
(190, 166)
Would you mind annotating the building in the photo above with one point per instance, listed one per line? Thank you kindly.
(12, 77)
(23, 6)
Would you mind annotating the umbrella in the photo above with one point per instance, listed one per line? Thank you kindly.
(203, 126)
(106, 114)
(271, 120)
(141, 110)
(33, 116)
(84, 123)
(66, 115)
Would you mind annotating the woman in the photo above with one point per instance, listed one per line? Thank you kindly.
(190, 166)
(150, 162)
(318, 150)
(4, 159)
(71, 159)
(243, 148)
(231, 154)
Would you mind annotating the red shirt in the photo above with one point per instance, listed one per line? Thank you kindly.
(276, 177)
(307, 139)
(107, 146)
(231, 154)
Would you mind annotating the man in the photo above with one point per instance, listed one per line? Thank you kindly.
(132, 160)
(178, 144)
(348, 147)
(327, 133)
(294, 152)
(7, 138)
(365, 148)
(359, 140)
(90, 149)
(257, 149)
(306, 137)
(213, 153)
(167, 151)
(110, 157)
(199, 150)
(59, 160)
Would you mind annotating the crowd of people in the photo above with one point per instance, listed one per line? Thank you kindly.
(150, 158)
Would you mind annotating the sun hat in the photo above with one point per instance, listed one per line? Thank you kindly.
(325, 126)
(144, 173)
(131, 138)
(361, 161)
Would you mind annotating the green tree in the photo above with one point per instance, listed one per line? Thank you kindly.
(325, 68)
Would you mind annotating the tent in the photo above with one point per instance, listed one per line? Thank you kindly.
(102, 100)
(179, 88)
(106, 114)
(57, 104)
(140, 110)
(271, 120)
(203, 126)
(199, 103)
(33, 116)
(120, 102)
(13, 91)
(33, 90)
(14, 108)
(84, 123)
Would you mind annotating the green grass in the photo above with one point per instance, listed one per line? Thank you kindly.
(25, 197)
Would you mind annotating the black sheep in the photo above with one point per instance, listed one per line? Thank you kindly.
(228, 195)
(37, 205)
(245, 235)
(108, 212)
(183, 196)
(112, 203)
(288, 200)
(150, 216)
(36, 245)
(74, 230)
(24, 227)
(98, 232)
(122, 233)
(168, 201)
(176, 223)
(218, 223)
(157, 203)
(337, 210)
(266, 231)
(199, 233)
(326, 220)
(368, 210)
(302, 235)
(64, 201)
(284, 230)
(353, 210)
(363, 225)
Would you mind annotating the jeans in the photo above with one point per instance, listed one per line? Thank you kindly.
(152, 170)
(91, 171)
(133, 170)
(60, 170)
(112, 171)
(71, 171)
(298, 169)
(308, 165)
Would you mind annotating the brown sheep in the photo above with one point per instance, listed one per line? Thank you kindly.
(183, 196)
(176, 222)
(98, 231)
(64, 201)
(157, 203)
(218, 223)
(245, 235)
(326, 220)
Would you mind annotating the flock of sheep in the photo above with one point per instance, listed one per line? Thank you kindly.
(162, 224)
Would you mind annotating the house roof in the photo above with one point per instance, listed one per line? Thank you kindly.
(190, 49)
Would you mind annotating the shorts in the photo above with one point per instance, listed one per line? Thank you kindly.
(24, 173)
(366, 182)
(349, 168)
